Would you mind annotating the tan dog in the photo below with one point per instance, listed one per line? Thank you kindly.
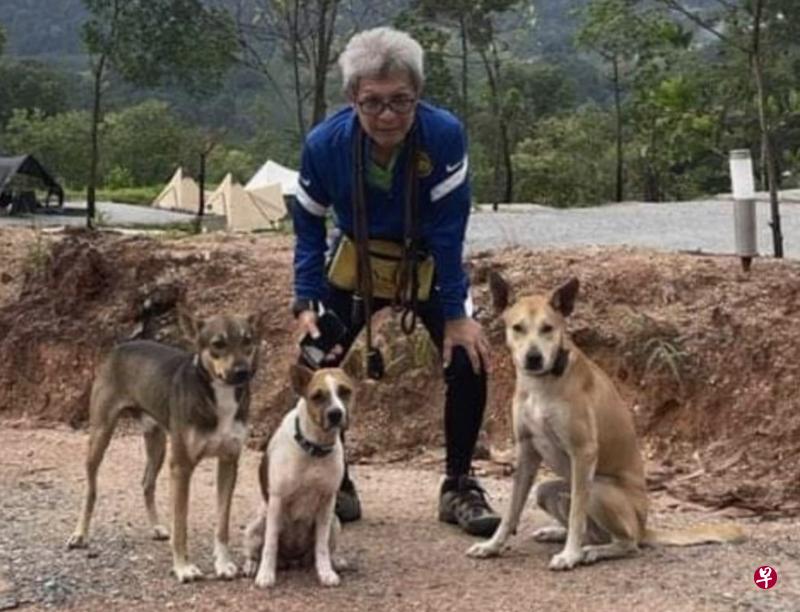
(567, 412)
(300, 474)
(200, 400)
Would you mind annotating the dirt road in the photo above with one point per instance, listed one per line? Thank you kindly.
(402, 558)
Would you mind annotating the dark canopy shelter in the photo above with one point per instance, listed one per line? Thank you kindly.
(26, 165)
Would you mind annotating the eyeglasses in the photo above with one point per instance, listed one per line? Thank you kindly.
(375, 106)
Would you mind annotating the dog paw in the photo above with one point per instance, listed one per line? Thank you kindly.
(226, 569)
(484, 550)
(160, 532)
(265, 579)
(566, 560)
(187, 573)
(250, 568)
(329, 578)
(550, 534)
(77, 540)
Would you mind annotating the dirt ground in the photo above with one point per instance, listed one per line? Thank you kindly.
(401, 558)
(707, 356)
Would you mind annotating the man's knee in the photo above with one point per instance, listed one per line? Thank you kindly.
(460, 368)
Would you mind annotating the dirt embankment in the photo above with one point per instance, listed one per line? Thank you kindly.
(708, 357)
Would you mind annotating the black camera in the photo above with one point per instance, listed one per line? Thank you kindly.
(331, 332)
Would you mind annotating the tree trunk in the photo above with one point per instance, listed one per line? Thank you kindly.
(766, 135)
(464, 73)
(505, 142)
(618, 130)
(91, 184)
(325, 31)
(292, 21)
(503, 188)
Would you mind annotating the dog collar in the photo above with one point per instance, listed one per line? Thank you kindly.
(315, 450)
(560, 364)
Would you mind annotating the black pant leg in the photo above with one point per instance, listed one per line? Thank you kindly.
(465, 395)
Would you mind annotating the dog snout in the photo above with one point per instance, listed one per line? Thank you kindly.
(335, 417)
(240, 374)
(534, 360)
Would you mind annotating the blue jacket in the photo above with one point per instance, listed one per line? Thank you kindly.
(325, 185)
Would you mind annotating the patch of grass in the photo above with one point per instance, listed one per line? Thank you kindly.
(37, 254)
(655, 347)
(143, 196)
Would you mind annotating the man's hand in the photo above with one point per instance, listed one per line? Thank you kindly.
(307, 324)
(466, 332)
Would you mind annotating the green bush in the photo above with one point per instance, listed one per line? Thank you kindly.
(569, 162)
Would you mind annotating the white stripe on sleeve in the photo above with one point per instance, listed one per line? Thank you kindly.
(307, 202)
(451, 183)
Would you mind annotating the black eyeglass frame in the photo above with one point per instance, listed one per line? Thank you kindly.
(407, 105)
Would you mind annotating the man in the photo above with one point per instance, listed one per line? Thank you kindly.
(357, 164)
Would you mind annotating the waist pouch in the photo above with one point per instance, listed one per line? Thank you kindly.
(386, 258)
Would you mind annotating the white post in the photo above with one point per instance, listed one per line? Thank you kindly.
(744, 205)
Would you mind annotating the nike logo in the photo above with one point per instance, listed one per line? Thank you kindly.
(305, 182)
(453, 167)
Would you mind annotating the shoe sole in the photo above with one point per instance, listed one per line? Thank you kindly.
(483, 527)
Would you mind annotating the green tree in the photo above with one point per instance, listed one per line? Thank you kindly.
(147, 140)
(149, 42)
(29, 84)
(568, 161)
(746, 27)
(2, 40)
(224, 159)
(60, 142)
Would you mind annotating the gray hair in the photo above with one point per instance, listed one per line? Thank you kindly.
(379, 52)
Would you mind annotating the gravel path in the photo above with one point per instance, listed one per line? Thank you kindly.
(112, 213)
(401, 557)
(703, 225)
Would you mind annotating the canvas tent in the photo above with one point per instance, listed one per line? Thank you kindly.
(272, 172)
(181, 193)
(246, 210)
(27, 166)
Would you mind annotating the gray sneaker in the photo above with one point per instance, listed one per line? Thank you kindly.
(462, 502)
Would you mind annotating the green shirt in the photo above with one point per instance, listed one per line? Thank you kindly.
(380, 177)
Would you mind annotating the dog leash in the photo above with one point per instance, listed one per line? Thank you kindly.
(405, 299)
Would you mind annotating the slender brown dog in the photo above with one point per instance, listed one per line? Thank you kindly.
(200, 401)
(567, 413)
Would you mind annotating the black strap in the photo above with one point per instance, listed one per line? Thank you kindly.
(313, 449)
(361, 234)
(408, 283)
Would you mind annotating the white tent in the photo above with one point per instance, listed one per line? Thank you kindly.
(181, 193)
(272, 172)
(246, 210)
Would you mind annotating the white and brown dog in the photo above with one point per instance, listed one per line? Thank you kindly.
(300, 474)
(567, 412)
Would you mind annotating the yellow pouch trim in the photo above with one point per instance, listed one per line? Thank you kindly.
(385, 261)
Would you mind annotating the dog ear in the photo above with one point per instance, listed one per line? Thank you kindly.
(189, 325)
(353, 365)
(563, 298)
(500, 290)
(257, 322)
(300, 376)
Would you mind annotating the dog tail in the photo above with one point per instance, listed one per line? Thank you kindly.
(694, 535)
